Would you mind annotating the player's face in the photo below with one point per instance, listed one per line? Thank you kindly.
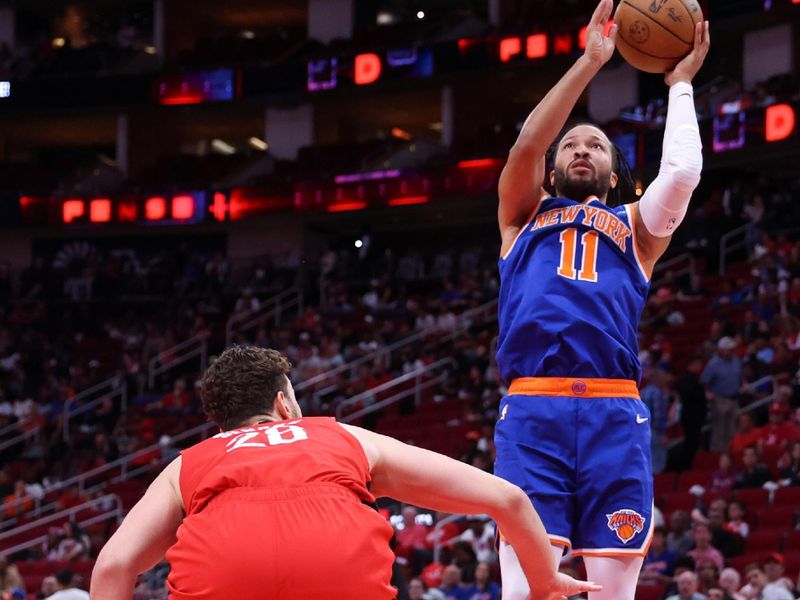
(583, 164)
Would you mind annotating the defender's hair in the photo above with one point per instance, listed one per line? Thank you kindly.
(243, 383)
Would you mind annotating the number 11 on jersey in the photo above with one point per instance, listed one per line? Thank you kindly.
(588, 268)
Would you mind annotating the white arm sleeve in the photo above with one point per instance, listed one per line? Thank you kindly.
(666, 200)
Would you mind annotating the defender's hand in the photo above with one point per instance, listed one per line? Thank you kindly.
(600, 48)
(689, 66)
(564, 586)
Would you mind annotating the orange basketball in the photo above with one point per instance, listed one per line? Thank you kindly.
(654, 35)
(625, 532)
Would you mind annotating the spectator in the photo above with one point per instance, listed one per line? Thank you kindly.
(413, 535)
(18, 503)
(722, 539)
(746, 434)
(656, 396)
(451, 584)
(687, 588)
(703, 550)
(724, 477)
(10, 578)
(247, 303)
(480, 535)
(694, 407)
(659, 564)
(736, 519)
(730, 580)
(75, 545)
(483, 588)
(708, 576)
(418, 591)
(679, 538)
(66, 587)
(777, 433)
(774, 568)
(762, 589)
(723, 380)
(754, 474)
(790, 465)
(177, 399)
(716, 593)
(49, 587)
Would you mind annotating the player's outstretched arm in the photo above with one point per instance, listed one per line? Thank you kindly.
(520, 185)
(666, 200)
(428, 479)
(142, 539)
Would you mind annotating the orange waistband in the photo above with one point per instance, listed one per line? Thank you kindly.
(569, 386)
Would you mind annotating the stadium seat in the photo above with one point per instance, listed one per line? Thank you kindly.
(767, 540)
(712, 495)
(754, 499)
(792, 564)
(678, 501)
(664, 483)
(740, 562)
(788, 496)
(777, 518)
(694, 477)
(793, 541)
(706, 460)
(650, 592)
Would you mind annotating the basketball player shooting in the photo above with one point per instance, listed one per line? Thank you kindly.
(575, 272)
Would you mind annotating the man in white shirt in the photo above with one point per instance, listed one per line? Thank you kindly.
(66, 587)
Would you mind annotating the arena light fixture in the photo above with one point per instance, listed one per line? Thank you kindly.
(222, 147)
(420, 14)
(258, 144)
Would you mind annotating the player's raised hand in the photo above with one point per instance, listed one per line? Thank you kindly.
(689, 66)
(565, 586)
(599, 47)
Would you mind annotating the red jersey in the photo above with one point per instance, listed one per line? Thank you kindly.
(279, 510)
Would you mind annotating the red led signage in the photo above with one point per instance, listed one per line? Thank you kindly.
(779, 122)
(509, 47)
(100, 210)
(183, 207)
(367, 69)
(155, 208)
(71, 210)
(536, 46)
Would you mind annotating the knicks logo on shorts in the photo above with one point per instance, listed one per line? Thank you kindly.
(626, 524)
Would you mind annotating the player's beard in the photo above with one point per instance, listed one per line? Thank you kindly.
(580, 188)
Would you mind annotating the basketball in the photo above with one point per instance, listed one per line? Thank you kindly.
(626, 532)
(654, 35)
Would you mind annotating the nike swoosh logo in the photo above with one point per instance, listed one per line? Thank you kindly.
(640, 420)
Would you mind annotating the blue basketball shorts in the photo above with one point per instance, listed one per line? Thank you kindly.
(580, 448)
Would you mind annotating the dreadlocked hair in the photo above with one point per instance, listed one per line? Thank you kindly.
(626, 186)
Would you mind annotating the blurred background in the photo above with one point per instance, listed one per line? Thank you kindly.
(319, 176)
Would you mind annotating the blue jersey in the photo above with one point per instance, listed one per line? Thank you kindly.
(571, 295)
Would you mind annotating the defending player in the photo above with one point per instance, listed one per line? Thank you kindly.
(278, 507)
(575, 274)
